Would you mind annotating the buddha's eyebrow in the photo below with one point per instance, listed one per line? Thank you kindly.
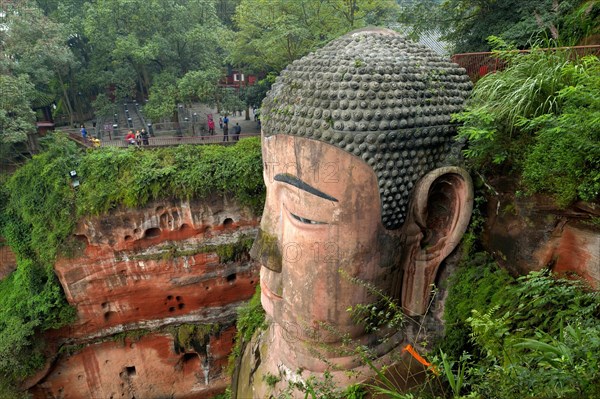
(294, 181)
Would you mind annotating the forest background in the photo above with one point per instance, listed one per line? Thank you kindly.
(83, 57)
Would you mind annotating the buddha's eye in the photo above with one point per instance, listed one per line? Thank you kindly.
(304, 220)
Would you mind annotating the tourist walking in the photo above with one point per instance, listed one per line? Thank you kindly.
(237, 129)
(220, 123)
(84, 133)
(225, 128)
(225, 132)
(145, 135)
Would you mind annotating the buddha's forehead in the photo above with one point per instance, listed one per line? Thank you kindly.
(379, 97)
(320, 165)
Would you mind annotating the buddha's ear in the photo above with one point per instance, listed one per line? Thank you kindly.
(441, 207)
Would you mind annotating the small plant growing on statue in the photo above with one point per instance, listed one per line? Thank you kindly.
(271, 379)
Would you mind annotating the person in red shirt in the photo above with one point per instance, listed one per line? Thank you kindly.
(130, 138)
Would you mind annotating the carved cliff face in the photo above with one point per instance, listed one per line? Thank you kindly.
(357, 139)
(321, 227)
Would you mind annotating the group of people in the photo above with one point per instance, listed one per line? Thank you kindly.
(84, 135)
(224, 126)
(138, 138)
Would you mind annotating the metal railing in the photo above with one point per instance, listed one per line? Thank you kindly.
(172, 141)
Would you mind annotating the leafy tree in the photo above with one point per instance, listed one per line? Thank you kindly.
(103, 107)
(271, 34)
(153, 37)
(468, 23)
(37, 46)
(164, 98)
(17, 120)
(255, 94)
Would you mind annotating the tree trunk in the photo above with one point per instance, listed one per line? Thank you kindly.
(67, 101)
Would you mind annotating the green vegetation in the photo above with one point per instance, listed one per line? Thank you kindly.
(531, 336)
(112, 177)
(271, 34)
(16, 116)
(251, 317)
(194, 336)
(35, 219)
(539, 118)
(477, 285)
(466, 24)
(271, 379)
(38, 204)
(232, 252)
(538, 338)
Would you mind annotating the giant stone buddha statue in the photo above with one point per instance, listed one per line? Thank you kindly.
(363, 195)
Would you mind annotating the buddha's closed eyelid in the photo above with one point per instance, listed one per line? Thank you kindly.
(299, 215)
(304, 220)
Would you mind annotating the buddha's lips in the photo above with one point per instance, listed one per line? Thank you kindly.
(267, 292)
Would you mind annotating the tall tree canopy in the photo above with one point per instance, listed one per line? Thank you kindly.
(468, 23)
(271, 34)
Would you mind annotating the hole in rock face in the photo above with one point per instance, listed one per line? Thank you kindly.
(160, 209)
(130, 371)
(189, 357)
(128, 238)
(82, 238)
(110, 315)
(172, 309)
(169, 297)
(136, 231)
(185, 227)
(227, 222)
(231, 277)
(181, 306)
(178, 298)
(152, 232)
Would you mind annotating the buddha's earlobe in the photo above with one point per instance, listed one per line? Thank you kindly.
(441, 208)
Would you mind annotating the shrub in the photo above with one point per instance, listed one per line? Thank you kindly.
(540, 117)
(113, 176)
(250, 318)
(540, 341)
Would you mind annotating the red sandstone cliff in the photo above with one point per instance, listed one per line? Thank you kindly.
(530, 233)
(166, 281)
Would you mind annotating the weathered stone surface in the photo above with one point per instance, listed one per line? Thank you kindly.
(156, 265)
(353, 208)
(147, 368)
(380, 97)
(530, 233)
(153, 268)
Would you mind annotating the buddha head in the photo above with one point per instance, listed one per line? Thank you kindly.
(359, 165)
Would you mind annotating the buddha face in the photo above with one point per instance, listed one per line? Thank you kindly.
(320, 228)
